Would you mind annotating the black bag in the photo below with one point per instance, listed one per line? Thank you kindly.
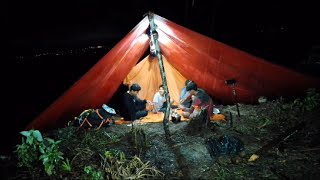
(224, 145)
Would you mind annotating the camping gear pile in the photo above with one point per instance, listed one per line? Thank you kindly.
(94, 118)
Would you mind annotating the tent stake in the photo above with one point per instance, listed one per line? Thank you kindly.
(154, 40)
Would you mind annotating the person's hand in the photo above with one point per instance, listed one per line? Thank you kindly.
(149, 102)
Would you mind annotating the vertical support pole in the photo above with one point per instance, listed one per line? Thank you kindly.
(235, 99)
(154, 40)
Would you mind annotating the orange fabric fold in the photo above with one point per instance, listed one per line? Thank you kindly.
(147, 74)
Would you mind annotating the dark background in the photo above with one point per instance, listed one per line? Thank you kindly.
(51, 44)
(268, 28)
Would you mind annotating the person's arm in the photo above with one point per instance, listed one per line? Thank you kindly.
(140, 101)
(186, 98)
(182, 94)
(195, 107)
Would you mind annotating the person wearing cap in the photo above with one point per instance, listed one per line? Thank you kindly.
(200, 100)
(134, 107)
(183, 96)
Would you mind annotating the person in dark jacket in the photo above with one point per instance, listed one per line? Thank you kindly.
(134, 108)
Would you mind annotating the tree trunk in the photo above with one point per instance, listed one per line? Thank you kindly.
(198, 123)
(154, 39)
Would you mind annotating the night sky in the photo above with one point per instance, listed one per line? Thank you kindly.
(284, 32)
(255, 26)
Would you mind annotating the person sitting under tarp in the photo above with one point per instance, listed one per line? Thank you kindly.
(160, 102)
(134, 108)
(183, 96)
(200, 100)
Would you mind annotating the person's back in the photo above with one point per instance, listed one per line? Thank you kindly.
(204, 101)
(129, 108)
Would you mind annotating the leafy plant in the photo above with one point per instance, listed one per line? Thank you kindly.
(66, 166)
(28, 152)
(114, 154)
(90, 173)
(51, 156)
(36, 148)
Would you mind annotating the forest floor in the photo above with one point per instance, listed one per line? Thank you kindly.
(284, 136)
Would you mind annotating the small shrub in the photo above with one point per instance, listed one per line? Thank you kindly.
(37, 149)
(90, 173)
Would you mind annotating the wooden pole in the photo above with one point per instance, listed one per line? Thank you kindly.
(154, 40)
